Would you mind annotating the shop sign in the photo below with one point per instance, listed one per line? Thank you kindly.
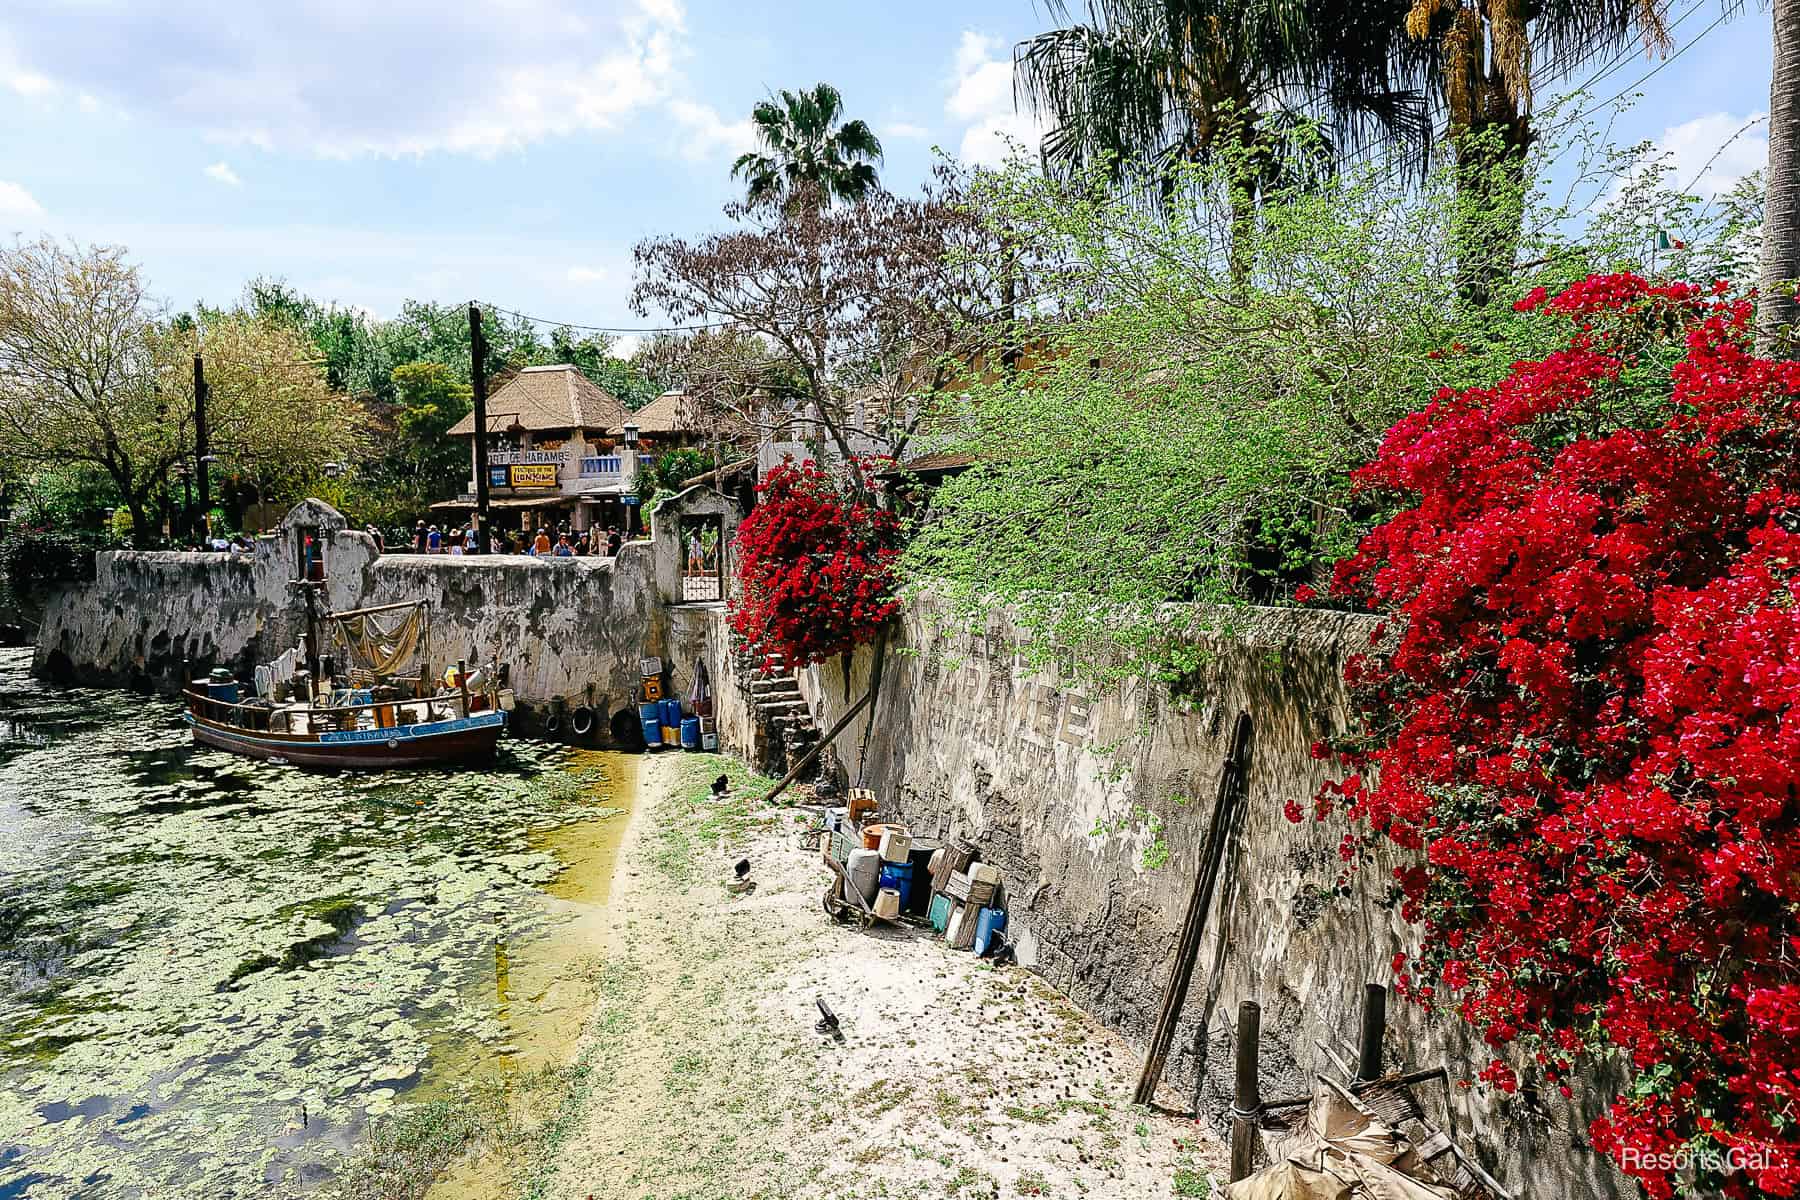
(497, 477)
(526, 458)
(535, 475)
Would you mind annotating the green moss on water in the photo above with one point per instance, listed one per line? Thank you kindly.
(145, 872)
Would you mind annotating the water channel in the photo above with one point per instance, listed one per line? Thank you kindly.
(214, 973)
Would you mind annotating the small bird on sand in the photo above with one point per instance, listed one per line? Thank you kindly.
(828, 1021)
(742, 868)
(721, 785)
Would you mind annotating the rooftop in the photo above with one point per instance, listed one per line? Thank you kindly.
(550, 397)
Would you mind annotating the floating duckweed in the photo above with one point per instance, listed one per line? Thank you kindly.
(214, 972)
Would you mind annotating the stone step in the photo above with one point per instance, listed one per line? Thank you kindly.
(764, 687)
(781, 706)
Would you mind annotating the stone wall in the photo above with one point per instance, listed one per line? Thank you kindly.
(1096, 807)
(572, 631)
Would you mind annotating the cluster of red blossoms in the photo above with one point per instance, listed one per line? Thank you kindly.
(815, 564)
(1583, 722)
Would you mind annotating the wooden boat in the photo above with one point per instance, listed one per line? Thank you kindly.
(371, 717)
(435, 731)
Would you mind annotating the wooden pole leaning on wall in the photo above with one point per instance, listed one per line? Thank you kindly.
(818, 748)
(1232, 778)
(1246, 1101)
(1374, 1026)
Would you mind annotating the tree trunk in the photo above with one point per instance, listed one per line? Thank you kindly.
(141, 532)
(1490, 204)
(1776, 310)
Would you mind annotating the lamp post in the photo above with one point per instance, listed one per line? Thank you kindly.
(630, 438)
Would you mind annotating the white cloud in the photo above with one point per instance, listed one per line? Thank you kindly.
(341, 80)
(587, 275)
(981, 100)
(706, 133)
(624, 345)
(16, 202)
(905, 129)
(1709, 154)
(223, 173)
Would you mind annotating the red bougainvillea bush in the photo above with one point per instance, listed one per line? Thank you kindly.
(1584, 722)
(815, 564)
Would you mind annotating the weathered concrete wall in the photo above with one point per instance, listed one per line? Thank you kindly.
(145, 612)
(572, 630)
(1076, 797)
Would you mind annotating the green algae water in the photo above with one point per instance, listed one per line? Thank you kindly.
(214, 972)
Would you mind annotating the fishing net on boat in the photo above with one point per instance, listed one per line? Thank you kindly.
(379, 643)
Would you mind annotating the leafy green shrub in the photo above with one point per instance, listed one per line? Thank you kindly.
(35, 561)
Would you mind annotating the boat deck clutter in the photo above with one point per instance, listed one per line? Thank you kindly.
(352, 706)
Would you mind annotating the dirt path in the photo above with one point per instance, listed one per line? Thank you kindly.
(702, 1077)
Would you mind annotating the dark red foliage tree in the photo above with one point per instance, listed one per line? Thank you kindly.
(1584, 725)
(815, 564)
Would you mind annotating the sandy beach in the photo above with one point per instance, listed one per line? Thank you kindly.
(701, 1075)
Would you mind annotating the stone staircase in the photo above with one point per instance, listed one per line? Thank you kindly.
(782, 716)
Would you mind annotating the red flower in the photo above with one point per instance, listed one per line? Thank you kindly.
(814, 564)
(1585, 731)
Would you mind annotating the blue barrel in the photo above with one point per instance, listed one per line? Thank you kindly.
(990, 922)
(650, 716)
(671, 713)
(898, 876)
(228, 692)
(690, 733)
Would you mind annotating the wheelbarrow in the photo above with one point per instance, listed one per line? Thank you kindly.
(843, 901)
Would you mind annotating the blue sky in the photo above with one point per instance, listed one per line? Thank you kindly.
(515, 150)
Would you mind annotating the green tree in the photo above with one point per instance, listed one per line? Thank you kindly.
(410, 461)
(806, 153)
(1182, 437)
(92, 372)
(1144, 86)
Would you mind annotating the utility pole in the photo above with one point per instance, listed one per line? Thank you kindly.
(200, 447)
(478, 378)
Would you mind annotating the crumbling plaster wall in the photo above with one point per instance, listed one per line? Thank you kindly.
(1077, 796)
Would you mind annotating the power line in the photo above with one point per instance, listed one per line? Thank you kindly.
(1624, 56)
(606, 328)
(1648, 75)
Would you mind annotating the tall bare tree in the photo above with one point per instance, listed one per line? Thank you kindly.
(1778, 315)
(845, 317)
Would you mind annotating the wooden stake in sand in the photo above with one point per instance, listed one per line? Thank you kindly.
(1225, 808)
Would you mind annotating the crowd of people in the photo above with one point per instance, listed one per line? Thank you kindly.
(563, 542)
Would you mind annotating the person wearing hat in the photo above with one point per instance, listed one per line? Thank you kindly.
(434, 541)
(540, 545)
(419, 538)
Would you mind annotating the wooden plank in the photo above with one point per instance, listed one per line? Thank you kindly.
(1232, 777)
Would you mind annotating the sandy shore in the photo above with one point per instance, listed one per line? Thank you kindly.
(701, 1075)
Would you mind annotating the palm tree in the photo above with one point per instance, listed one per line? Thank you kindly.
(1143, 86)
(1484, 55)
(805, 152)
(1777, 311)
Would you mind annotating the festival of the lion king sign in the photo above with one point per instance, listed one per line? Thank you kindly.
(534, 475)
